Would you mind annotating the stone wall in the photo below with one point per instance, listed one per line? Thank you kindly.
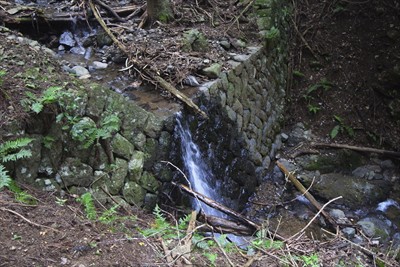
(246, 109)
(122, 165)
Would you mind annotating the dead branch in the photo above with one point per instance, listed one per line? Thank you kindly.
(298, 234)
(360, 149)
(218, 206)
(110, 10)
(29, 221)
(303, 190)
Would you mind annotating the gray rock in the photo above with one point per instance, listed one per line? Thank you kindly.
(81, 72)
(133, 193)
(118, 176)
(26, 170)
(67, 38)
(191, 81)
(74, 172)
(337, 214)
(349, 232)
(225, 44)
(368, 172)
(149, 182)
(241, 58)
(213, 71)
(135, 166)
(122, 147)
(376, 227)
(99, 65)
(150, 201)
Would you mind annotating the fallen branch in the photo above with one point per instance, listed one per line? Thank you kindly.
(360, 149)
(29, 221)
(224, 226)
(304, 191)
(218, 206)
(316, 215)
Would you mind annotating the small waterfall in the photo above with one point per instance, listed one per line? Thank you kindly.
(199, 174)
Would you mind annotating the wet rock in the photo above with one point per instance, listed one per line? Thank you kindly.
(78, 50)
(369, 172)
(74, 172)
(154, 126)
(356, 192)
(103, 39)
(191, 81)
(122, 147)
(133, 193)
(376, 227)
(67, 38)
(213, 71)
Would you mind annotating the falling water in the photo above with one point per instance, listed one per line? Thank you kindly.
(199, 174)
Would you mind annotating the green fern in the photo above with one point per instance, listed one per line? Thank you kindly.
(87, 201)
(109, 215)
(5, 179)
(20, 195)
(87, 132)
(12, 150)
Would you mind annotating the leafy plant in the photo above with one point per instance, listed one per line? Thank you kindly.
(87, 132)
(341, 127)
(272, 34)
(12, 151)
(20, 195)
(109, 215)
(87, 201)
(2, 73)
(313, 109)
(323, 84)
(311, 260)
(49, 96)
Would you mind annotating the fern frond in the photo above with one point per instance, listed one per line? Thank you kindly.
(22, 154)
(5, 179)
(14, 145)
(87, 201)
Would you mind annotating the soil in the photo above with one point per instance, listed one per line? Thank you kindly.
(350, 49)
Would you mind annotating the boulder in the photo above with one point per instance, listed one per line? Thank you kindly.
(74, 172)
(133, 193)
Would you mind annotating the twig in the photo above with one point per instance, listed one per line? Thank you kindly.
(27, 220)
(240, 15)
(316, 215)
(109, 9)
(363, 249)
(360, 149)
(304, 40)
(224, 252)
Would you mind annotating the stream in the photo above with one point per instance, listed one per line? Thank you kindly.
(378, 217)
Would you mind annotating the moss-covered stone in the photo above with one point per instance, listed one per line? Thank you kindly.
(134, 193)
(194, 40)
(122, 147)
(135, 166)
(149, 182)
(118, 176)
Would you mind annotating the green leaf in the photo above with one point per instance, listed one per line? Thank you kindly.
(335, 131)
(37, 107)
(5, 179)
